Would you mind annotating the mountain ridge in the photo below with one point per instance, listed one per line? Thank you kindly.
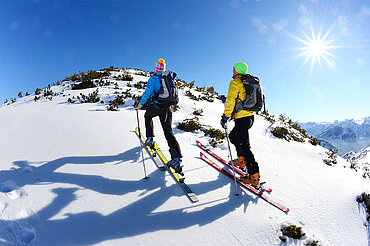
(347, 135)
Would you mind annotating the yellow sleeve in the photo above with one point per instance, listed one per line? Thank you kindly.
(231, 97)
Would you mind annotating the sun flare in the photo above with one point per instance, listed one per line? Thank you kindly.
(316, 48)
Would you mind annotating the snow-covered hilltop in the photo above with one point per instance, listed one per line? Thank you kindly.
(71, 174)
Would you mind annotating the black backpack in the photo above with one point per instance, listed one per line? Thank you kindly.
(167, 94)
(255, 97)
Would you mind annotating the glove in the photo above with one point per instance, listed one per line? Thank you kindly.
(137, 105)
(223, 121)
(223, 98)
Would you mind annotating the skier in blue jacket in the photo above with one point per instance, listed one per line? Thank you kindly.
(165, 116)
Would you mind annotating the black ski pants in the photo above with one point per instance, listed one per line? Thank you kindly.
(165, 117)
(239, 136)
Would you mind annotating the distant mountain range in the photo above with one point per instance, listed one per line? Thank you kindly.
(348, 135)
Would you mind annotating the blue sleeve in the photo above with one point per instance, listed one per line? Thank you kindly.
(149, 90)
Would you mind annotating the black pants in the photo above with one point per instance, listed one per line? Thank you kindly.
(239, 136)
(165, 116)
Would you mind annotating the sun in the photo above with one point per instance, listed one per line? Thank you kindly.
(316, 48)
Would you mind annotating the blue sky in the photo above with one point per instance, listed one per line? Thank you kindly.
(282, 41)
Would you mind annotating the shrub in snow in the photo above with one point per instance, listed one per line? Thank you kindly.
(280, 132)
(191, 84)
(332, 157)
(312, 243)
(198, 112)
(27, 94)
(365, 198)
(127, 93)
(289, 130)
(191, 95)
(189, 125)
(314, 141)
(114, 104)
(292, 231)
(87, 79)
(90, 98)
(216, 135)
(127, 77)
(180, 84)
(352, 164)
(86, 82)
(268, 117)
(175, 107)
(37, 91)
(74, 77)
(207, 97)
(48, 91)
(138, 85)
(111, 68)
(20, 94)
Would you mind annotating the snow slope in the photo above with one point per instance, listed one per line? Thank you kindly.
(71, 174)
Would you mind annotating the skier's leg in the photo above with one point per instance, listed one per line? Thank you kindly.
(149, 114)
(166, 122)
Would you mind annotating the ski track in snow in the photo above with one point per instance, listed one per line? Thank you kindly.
(73, 176)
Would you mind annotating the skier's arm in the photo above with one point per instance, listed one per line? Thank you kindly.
(149, 91)
(231, 97)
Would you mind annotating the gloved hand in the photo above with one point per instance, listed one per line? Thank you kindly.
(223, 98)
(223, 121)
(137, 105)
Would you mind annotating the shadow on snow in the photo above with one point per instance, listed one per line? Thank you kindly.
(90, 227)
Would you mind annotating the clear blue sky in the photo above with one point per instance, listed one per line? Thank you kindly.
(44, 41)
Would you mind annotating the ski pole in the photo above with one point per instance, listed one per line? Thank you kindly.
(232, 163)
(142, 153)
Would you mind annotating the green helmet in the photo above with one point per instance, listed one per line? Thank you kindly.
(241, 67)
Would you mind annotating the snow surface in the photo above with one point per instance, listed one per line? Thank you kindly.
(71, 174)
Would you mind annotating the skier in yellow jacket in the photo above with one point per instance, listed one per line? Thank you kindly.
(239, 136)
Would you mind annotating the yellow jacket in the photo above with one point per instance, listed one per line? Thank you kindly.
(236, 89)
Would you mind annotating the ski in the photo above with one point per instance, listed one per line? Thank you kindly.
(180, 180)
(151, 152)
(158, 155)
(248, 187)
(200, 145)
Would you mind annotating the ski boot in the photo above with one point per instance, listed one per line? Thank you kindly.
(176, 165)
(150, 142)
(240, 163)
(251, 180)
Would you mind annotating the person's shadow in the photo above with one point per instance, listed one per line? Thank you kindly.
(87, 228)
(27, 174)
(91, 227)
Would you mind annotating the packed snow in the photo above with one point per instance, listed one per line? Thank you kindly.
(72, 174)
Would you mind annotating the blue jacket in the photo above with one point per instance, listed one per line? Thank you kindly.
(152, 87)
